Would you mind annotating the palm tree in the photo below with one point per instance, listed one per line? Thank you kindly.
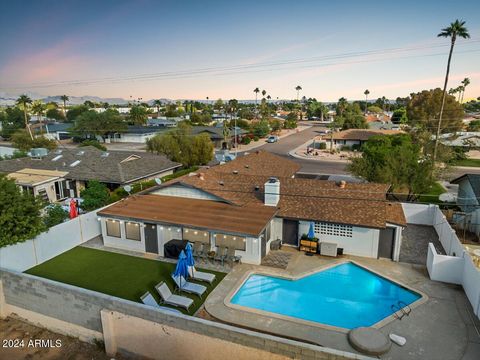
(24, 101)
(256, 91)
(264, 92)
(465, 83)
(38, 108)
(64, 98)
(366, 92)
(456, 29)
(298, 88)
(157, 103)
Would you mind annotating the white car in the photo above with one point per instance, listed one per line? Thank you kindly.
(272, 139)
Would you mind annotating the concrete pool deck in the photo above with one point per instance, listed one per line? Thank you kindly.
(441, 328)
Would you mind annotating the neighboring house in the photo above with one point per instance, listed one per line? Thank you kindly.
(468, 201)
(462, 139)
(136, 134)
(354, 137)
(383, 125)
(113, 168)
(57, 131)
(216, 134)
(50, 185)
(251, 201)
(162, 122)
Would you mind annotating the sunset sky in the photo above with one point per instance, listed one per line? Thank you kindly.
(224, 49)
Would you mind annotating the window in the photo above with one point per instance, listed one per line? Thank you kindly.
(325, 228)
(195, 235)
(132, 231)
(113, 228)
(237, 242)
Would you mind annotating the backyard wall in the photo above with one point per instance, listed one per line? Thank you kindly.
(137, 329)
(56, 240)
(457, 266)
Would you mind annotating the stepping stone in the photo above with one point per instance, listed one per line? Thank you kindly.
(369, 341)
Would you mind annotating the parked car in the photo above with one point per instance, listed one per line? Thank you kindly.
(272, 139)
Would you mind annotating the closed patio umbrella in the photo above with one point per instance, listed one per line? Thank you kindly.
(311, 231)
(189, 254)
(181, 270)
(73, 209)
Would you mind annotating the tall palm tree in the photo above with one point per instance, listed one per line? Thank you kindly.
(38, 108)
(465, 83)
(298, 88)
(264, 92)
(157, 103)
(366, 92)
(24, 101)
(256, 91)
(456, 29)
(64, 98)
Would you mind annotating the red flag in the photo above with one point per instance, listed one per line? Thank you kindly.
(73, 209)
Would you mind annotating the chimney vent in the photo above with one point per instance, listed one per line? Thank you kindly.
(235, 172)
(342, 184)
(272, 192)
(201, 176)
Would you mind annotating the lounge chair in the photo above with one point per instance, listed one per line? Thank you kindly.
(232, 257)
(189, 287)
(200, 275)
(148, 299)
(170, 299)
(221, 254)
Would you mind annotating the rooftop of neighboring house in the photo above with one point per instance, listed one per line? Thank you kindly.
(144, 130)
(464, 139)
(215, 132)
(90, 163)
(359, 134)
(34, 177)
(377, 117)
(474, 181)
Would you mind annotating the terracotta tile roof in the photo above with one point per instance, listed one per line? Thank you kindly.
(202, 214)
(395, 214)
(260, 163)
(360, 134)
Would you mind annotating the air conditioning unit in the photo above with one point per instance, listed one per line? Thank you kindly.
(328, 249)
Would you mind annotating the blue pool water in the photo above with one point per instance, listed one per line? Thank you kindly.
(346, 296)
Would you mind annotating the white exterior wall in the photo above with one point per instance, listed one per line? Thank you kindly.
(123, 242)
(276, 231)
(364, 241)
(49, 188)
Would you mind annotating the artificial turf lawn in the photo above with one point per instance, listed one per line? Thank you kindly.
(123, 276)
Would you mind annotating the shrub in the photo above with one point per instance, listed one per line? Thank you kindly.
(94, 143)
(256, 138)
(55, 215)
(246, 140)
(322, 146)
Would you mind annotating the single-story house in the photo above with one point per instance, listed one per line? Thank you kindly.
(165, 122)
(216, 134)
(467, 140)
(57, 131)
(50, 185)
(113, 168)
(251, 201)
(468, 201)
(354, 137)
(136, 134)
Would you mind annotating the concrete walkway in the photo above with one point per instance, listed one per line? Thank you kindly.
(441, 328)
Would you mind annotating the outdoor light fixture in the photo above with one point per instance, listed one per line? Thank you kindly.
(224, 236)
(99, 219)
(205, 234)
(161, 227)
(178, 230)
(186, 230)
(234, 238)
(169, 229)
(195, 232)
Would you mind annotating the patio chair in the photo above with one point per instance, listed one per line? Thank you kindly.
(232, 257)
(199, 251)
(171, 299)
(201, 275)
(148, 299)
(221, 254)
(189, 287)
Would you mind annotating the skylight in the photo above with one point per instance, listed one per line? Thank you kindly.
(57, 157)
(75, 163)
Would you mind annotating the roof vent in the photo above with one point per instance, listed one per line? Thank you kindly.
(201, 176)
(247, 166)
(342, 184)
(58, 151)
(81, 152)
(257, 187)
(221, 183)
(105, 154)
(235, 172)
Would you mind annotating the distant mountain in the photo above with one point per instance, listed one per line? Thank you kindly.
(10, 98)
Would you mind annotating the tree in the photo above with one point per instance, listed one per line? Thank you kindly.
(23, 142)
(94, 196)
(395, 160)
(55, 114)
(138, 115)
(276, 125)
(465, 83)
(24, 101)
(399, 116)
(374, 109)
(76, 111)
(256, 91)
(158, 104)
(91, 123)
(246, 113)
(200, 119)
(55, 215)
(298, 88)
(366, 93)
(342, 104)
(181, 146)
(12, 120)
(261, 128)
(474, 125)
(20, 218)
(424, 107)
(89, 104)
(64, 98)
(218, 104)
(456, 29)
(94, 143)
(291, 120)
(38, 108)
(351, 120)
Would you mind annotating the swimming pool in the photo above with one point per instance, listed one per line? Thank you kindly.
(346, 296)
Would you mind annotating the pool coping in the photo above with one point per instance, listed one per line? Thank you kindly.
(264, 271)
